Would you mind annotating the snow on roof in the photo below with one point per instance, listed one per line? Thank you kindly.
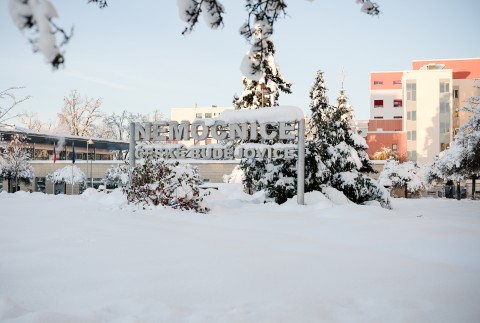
(268, 114)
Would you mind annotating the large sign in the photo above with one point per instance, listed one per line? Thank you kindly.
(158, 133)
(255, 125)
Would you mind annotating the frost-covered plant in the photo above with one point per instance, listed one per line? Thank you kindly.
(408, 175)
(235, 177)
(160, 182)
(280, 180)
(116, 175)
(14, 160)
(360, 189)
(69, 175)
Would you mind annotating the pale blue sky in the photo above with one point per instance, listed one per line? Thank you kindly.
(133, 55)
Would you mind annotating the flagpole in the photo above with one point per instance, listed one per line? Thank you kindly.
(73, 161)
(53, 174)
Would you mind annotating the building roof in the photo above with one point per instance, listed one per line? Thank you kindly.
(54, 139)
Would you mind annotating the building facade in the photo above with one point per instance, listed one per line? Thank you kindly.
(417, 113)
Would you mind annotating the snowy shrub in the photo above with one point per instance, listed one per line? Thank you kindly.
(359, 188)
(408, 175)
(14, 160)
(116, 175)
(167, 183)
(69, 175)
(280, 180)
(235, 177)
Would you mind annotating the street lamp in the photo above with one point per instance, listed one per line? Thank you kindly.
(90, 142)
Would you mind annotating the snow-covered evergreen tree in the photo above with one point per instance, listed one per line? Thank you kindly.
(316, 172)
(262, 79)
(334, 147)
(14, 161)
(262, 89)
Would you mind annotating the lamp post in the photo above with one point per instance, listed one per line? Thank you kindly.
(90, 142)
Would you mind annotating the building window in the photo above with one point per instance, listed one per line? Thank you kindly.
(444, 127)
(397, 82)
(397, 103)
(412, 135)
(412, 155)
(377, 82)
(444, 107)
(412, 91)
(208, 115)
(444, 146)
(198, 116)
(378, 103)
(444, 86)
(412, 115)
(394, 147)
(380, 117)
(455, 94)
(397, 117)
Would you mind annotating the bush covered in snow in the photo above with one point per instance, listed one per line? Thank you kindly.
(235, 177)
(160, 182)
(116, 175)
(69, 175)
(360, 189)
(408, 175)
(14, 160)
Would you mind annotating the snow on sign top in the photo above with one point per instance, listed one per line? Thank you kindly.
(268, 114)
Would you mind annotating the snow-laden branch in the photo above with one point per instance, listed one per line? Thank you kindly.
(190, 11)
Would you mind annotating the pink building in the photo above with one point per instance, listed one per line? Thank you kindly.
(416, 113)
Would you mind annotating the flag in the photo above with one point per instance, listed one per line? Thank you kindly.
(73, 153)
(54, 155)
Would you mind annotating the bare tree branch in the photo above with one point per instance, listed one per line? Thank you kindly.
(13, 101)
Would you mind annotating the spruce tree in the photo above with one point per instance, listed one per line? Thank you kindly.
(316, 172)
(335, 152)
(263, 83)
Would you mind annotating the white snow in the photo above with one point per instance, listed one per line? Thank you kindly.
(68, 174)
(268, 114)
(90, 258)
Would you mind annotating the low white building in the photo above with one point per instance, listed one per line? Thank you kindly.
(191, 114)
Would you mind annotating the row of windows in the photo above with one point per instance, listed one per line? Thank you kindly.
(412, 91)
(444, 127)
(394, 117)
(379, 103)
(444, 107)
(412, 135)
(396, 82)
(412, 155)
(207, 115)
(444, 86)
(412, 115)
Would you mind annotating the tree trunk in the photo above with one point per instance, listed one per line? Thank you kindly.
(458, 191)
(406, 191)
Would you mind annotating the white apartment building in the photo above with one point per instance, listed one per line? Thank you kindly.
(417, 112)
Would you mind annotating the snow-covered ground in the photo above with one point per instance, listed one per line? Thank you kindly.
(90, 258)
